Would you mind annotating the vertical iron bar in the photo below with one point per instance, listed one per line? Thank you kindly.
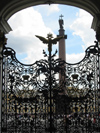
(99, 63)
(50, 89)
(35, 116)
(98, 69)
(1, 84)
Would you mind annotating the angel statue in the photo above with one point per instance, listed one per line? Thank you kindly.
(49, 41)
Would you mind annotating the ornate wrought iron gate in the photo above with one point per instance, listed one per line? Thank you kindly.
(51, 95)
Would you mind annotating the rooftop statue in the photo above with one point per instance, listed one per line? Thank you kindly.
(61, 22)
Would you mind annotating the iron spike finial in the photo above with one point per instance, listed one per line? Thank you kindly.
(61, 16)
(49, 36)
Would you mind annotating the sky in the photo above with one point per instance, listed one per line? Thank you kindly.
(43, 19)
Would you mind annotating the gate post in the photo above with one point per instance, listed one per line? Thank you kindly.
(2, 44)
(98, 71)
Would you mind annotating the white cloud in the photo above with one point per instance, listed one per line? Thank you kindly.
(74, 58)
(26, 24)
(82, 27)
(51, 9)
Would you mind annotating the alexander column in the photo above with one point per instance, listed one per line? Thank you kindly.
(62, 47)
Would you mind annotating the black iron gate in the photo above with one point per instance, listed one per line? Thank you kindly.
(51, 95)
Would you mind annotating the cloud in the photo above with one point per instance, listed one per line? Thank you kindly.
(81, 27)
(29, 22)
(26, 24)
(49, 9)
(74, 58)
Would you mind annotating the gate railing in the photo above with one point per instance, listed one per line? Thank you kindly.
(50, 95)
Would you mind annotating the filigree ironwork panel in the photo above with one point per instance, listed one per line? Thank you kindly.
(50, 95)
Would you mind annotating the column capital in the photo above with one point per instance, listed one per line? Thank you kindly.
(65, 36)
(4, 26)
(96, 22)
(3, 39)
(3, 42)
(98, 34)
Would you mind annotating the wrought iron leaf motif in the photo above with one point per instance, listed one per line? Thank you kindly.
(26, 93)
